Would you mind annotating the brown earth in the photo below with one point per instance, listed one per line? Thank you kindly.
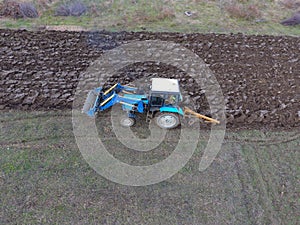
(259, 75)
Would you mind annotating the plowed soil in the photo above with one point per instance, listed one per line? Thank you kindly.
(259, 75)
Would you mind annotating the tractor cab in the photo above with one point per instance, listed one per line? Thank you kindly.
(164, 93)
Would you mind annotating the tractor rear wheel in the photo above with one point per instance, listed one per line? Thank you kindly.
(127, 121)
(167, 120)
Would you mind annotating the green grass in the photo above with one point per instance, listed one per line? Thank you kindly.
(168, 16)
(44, 179)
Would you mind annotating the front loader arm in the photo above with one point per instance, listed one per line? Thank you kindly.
(118, 88)
(136, 104)
(99, 100)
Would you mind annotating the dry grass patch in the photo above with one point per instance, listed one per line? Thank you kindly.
(239, 10)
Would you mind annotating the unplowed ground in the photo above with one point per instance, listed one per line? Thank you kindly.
(45, 180)
(258, 75)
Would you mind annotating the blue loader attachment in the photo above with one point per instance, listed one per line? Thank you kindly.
(97, 100)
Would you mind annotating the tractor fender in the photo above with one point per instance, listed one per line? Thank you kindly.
(172, 109)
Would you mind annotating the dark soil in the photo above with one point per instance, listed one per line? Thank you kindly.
(259, 75)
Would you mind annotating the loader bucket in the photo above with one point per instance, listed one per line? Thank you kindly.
(90, 103)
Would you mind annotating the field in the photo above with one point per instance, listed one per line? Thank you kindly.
(45, 179)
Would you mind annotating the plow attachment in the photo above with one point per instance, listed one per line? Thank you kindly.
(188, 112)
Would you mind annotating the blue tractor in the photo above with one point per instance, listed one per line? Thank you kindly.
(160, 104)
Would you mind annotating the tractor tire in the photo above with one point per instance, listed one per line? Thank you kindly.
(127, 121)
(167, 120)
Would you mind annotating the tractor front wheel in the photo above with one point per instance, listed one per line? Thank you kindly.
(167, 120)
(127, 122)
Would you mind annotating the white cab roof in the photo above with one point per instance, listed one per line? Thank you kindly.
(165, 85)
